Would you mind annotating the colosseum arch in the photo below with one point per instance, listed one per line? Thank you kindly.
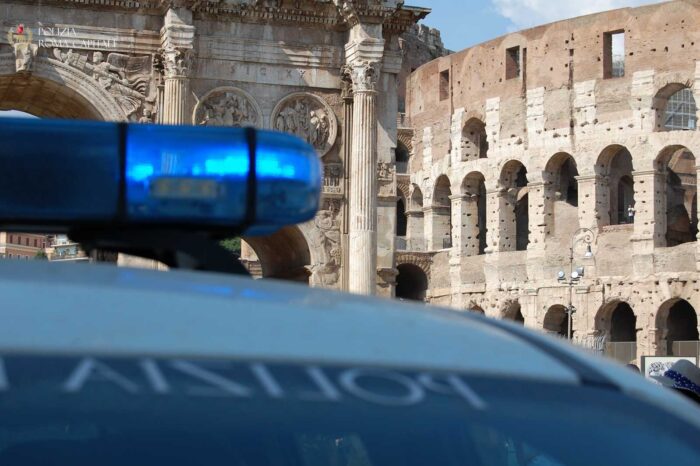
(675, 108)
(403, 156)
(556, 321)
(561, 193)
(677, 327)
(514, 209)
(617, 321)
(411, 282)
(474, 141)
(473, 221)
(615, 166)
(678, 195)
(513, 312)
(441, 214)
(54, 89)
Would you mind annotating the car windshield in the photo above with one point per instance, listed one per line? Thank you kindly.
(72, 411)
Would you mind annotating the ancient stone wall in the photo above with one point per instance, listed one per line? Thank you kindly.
(562, 131)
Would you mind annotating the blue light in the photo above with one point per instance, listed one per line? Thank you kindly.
(66, 172)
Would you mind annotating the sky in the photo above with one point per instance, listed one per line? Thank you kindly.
(464, 23)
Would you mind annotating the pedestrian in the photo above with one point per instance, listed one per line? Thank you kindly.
(684, 377)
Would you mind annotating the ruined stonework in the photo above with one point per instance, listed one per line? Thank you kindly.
(553, 139)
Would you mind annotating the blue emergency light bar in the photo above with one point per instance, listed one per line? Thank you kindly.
(62, 175)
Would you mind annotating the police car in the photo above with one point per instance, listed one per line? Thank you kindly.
(114, 366)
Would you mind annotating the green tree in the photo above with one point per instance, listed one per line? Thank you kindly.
(233, 245)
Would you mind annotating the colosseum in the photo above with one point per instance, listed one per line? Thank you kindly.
(555, 168)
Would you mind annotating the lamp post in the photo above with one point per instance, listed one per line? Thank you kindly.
(575, 276)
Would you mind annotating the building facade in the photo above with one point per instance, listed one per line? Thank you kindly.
(565, 148)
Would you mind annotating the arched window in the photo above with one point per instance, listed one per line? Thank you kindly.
(615, 165)
(513, 312)
(623, 324)
(474, 142)
(680, 111)
(677, 165)
(514, 209)
(561, 194)
(411, 283)
(682, 326)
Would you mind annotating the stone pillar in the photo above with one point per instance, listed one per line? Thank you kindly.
(537, 218)
(592, 205)
(470, 225)
(346, 83)
(645, 217)
(415, 231)
(459, 238)
(494, 201)
(363, 181)
(177, 39)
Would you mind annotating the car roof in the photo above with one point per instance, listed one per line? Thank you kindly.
(97, 309)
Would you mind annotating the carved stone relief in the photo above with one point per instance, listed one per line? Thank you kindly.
(308, 117)
(333, 179)
(326, 238)
(227, 106)
(25, 53)
(386, 174)
(129, 79)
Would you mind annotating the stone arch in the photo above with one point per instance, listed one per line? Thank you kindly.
(67, 92)
(617, 321)
(411, 282)
(513, 311)
(615, 184)
(441, 214)
(560, 192)
(423, 261)
(474, 222)
(514, 207)
(675, 107)
(676, 166)
(248, 108)
(556, 321)
(284, 255)
(406, 138)
(676, 321)
(474, 142)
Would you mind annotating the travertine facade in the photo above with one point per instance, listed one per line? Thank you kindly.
(581, 131)
(325, 70)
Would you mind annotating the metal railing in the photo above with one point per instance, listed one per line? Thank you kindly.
(686, 349)
(622, 351)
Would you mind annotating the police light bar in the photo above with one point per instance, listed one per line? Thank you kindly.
(62, 175)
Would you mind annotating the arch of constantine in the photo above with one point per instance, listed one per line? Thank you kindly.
(583, 134)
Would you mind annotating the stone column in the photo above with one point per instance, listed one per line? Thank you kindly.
(645, 217)
(415, 231)
(494, 201)
(592, 195)
(538, 219)
(363, 181)
(459, 238)
(177, 64)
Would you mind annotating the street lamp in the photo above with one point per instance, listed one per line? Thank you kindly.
(575, 276)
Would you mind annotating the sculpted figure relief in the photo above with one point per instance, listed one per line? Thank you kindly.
(326, 272)
(227, 106)
(25, 53)
(309, 118)
(127, 78)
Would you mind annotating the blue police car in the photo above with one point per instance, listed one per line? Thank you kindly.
(114, 366)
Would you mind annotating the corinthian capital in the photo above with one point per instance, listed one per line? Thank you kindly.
(177, 63)
(365, 76)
